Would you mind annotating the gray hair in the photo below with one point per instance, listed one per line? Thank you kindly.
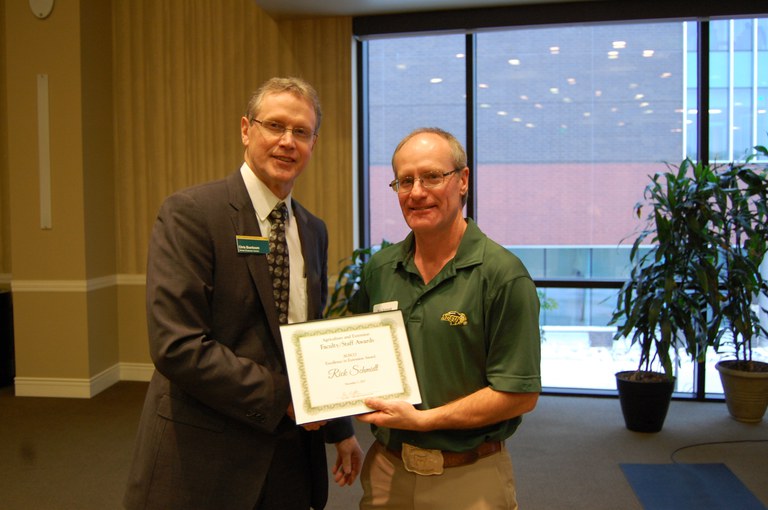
(458, 153)
(295, 86)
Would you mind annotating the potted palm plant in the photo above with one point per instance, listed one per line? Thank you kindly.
(697, 285)
(664, 305)
(741, 205)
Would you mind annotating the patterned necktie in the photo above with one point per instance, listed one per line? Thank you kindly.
(278, 260)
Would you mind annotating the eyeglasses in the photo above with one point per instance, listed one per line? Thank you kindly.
(278, 130)
(427, 180)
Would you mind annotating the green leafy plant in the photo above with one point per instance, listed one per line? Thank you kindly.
(348, 279)
(546, 303)
(699, 278)
(664, 297)
(741, 204)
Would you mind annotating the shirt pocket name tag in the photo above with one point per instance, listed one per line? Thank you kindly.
(385, 307)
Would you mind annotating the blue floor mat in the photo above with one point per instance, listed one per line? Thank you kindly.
(689, 486)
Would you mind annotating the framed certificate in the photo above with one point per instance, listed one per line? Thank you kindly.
(334, 364)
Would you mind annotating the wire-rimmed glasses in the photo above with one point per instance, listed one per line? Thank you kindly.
(278, 129)
(428, 180)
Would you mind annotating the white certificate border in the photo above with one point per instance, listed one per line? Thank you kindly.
(293, 334)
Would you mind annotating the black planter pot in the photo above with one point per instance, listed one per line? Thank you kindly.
(644, 403)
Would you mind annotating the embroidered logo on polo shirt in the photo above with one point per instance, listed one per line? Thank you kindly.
(455, 318)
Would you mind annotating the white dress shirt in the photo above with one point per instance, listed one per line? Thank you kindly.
(263, 202)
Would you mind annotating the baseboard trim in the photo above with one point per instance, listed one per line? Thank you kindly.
(136, 371)
(81, 388)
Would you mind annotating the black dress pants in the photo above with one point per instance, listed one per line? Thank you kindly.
(289, 481)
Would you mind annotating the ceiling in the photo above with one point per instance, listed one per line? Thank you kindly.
(283, 9)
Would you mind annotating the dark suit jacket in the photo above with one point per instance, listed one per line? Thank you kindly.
(217, 400)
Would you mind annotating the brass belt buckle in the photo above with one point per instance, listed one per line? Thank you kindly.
(421, 461)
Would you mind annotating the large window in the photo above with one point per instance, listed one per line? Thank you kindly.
(413, 81)
(564, 124)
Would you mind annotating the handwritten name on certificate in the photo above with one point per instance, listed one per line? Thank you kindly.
(334, 364)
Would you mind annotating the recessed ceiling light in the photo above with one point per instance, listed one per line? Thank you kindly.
(436, 80)
(514, 61)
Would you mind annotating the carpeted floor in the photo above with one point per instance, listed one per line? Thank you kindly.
(62, 454)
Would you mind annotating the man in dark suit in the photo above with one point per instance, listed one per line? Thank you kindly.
(217, 430)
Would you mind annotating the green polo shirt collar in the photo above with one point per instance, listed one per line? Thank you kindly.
(470, 253)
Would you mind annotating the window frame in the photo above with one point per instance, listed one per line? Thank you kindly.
(472, 21)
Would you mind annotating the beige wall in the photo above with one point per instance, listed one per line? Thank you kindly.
(50, 308)
(182, 79)
(145, 98)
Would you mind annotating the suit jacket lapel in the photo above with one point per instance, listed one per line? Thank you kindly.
(244, 221)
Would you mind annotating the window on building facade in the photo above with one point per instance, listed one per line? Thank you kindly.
(567, 123)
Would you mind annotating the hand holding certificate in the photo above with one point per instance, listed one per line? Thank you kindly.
(335, 364)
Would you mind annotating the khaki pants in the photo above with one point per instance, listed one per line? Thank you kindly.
(488, 484)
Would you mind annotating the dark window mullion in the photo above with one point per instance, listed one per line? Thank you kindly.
(702, 55)
(471, 123)
(363, 141)
(702, 52)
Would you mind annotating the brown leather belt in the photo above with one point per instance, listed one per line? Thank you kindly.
(456, 459)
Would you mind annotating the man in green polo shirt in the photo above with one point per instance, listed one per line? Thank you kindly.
(472, 316)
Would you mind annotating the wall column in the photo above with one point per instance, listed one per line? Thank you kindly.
(62, 221)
